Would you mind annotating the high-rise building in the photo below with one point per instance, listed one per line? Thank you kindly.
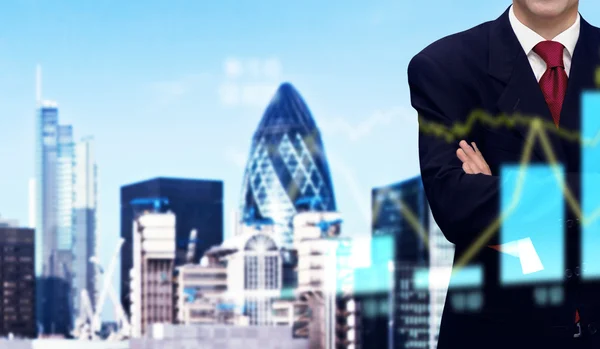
(401, 211)
(46, 185)
(152, 272)
(54, 221)
(85, 239)
(441, 258)
(17, 282)
(65, 186)
(287, 169)
(197, 205)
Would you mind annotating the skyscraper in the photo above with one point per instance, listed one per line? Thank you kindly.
(197, 204)
(46, 180)
(65, 180)
(401, 210)
(54, 191)
(85, 241)
(287, 167)
(53, 309)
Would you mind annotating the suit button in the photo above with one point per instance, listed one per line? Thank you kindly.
(569, 223)
(569, 273)
(577, 271)
(593, 329)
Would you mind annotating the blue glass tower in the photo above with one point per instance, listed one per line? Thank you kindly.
(287, 169)
(54, 222)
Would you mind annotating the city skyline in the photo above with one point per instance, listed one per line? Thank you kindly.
(155, 81)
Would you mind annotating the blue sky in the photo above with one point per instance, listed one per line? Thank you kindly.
(176, 88)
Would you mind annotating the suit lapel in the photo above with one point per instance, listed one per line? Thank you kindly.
(520, 93)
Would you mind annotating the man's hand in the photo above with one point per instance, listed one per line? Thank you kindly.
(472, 159)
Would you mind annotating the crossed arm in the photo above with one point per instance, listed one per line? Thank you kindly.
(472, 159)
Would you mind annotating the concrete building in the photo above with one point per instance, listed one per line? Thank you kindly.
(218, 337)
(152, 272)
(254, 273)
(197, 204)
(325, 282)
(17, 282)
(200, 291)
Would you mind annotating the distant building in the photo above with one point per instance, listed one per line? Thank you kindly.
(54, 220)
(441, 258)
(197, 205)
(254, 273)
(326, 305)
(152, 273)
(401, 211)
(17, 284)
(8, 223)
(287, 169)
(200, 292)
(85, 236)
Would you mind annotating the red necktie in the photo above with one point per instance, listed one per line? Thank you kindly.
(554, 81)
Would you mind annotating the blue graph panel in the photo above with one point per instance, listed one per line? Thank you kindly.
(377, 278)
(531, 238)
(590, 182)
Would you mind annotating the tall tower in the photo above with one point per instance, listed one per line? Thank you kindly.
(53, 309)
(287, 169)
(85, 240)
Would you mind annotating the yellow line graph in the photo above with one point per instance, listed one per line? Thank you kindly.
(537, 130)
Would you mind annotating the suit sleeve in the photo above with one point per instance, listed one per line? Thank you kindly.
(463, 205)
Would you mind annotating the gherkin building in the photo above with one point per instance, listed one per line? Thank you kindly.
(287, 170)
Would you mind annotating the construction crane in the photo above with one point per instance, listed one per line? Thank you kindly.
(89, 324)
(123, 325)
(83, 329)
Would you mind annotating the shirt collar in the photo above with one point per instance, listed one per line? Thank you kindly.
(528, 38)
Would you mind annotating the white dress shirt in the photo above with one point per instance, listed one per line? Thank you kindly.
(528, 39)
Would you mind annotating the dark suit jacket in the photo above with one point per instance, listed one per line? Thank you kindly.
(485, 68)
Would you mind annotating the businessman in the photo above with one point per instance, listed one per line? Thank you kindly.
(535, 59)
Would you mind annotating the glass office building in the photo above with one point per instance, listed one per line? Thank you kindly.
(46, 184)
(287, 167)
(401, 211)
(85, 239)
(54, 221)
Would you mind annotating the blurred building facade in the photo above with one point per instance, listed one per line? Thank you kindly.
(152, 273)
(326, 309)
(254, 273)
(197, 205)
(286, 166)
(54, 220)
(401, 211)
(17, 256)
(85, 238)
(200, 292)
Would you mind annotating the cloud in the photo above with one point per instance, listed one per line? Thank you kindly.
(167, 92)
(233, 68)
(249, 82)
(364, 128)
